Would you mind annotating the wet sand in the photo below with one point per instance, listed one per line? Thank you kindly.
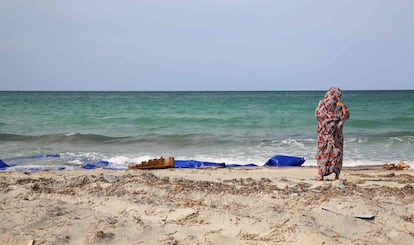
(207, 206)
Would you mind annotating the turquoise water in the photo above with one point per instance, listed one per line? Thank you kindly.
(230, 127)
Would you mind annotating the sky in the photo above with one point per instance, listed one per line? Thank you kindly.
(147, 45)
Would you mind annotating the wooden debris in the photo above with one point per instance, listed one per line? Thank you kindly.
(159, 163)
(398, 166)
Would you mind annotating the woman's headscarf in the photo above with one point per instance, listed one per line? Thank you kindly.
(327, 105)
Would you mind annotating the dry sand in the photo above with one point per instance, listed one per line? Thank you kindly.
(206, 206)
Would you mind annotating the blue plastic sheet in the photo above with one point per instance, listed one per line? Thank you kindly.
(275, 161)
(89, 166)
(285, 161)
(3, 165)
(196, 164)
(96, 164)
(33, 169)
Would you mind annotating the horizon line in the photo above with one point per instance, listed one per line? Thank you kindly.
(289, 90)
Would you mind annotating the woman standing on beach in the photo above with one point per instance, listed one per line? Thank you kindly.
(331, 115)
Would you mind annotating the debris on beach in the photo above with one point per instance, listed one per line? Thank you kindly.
(396, 166)
(159, 163)
(110, 178)
(249, 207)
(360, 216)
(365, 216)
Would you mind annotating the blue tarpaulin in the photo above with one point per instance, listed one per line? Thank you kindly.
(285, 161)
(196, 164)
(3, 165)
(275, 161)
(102, 164)
(95, 164)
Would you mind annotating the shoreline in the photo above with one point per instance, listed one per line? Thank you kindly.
(258, 205)
(109, 166)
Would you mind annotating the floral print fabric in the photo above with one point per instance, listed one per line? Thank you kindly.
(330, 139)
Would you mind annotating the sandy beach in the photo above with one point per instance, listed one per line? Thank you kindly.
(207, 206)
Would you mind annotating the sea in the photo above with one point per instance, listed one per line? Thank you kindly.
(67, 130)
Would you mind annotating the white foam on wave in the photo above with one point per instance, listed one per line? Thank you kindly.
(396, 139)
(292, 142)
(356, 163)
(356, 140)
(75, 162)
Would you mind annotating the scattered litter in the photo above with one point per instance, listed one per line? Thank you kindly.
(329, 210)
(110, 178)
(365, 216)
(361, 216)
(398, 166)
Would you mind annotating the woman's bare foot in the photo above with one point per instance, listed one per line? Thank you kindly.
(320, 178)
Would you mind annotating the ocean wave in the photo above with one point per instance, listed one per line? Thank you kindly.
(292, 142)
(402, 119)
(204, 139)
(12, 137)
(365, 123)
(169, 139)
(375, 134)
(402, 123)
(57, 138)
